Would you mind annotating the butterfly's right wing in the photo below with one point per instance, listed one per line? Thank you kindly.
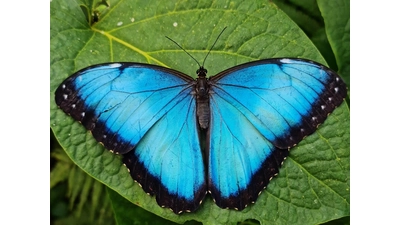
(258, 111)
(146, 113)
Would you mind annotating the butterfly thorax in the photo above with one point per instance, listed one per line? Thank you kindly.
(203, 100)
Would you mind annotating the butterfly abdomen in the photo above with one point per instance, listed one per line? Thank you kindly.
(203, 112)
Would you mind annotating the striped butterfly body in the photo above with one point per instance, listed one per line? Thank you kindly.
(250, 115)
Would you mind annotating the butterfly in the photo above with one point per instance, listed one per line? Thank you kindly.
(182, 138)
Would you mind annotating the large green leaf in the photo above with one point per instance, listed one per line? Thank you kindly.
(313, 185)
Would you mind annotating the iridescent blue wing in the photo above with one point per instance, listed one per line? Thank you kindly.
(259, 110)
(146, 113)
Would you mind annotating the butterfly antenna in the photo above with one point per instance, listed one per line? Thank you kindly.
(214, 44)
(184, 50)
(207, 53)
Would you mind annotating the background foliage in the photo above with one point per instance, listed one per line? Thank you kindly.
(88, 32)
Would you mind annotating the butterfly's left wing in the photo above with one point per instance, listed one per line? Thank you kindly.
(258, 111)
(146, 113)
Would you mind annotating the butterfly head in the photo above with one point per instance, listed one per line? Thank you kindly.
(201, 72)
(202, 86)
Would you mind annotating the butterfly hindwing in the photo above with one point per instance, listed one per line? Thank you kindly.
(146, 113)
(171, 154)
(241, 160)
(258, 111)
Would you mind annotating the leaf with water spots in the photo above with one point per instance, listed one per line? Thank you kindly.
(304, 192)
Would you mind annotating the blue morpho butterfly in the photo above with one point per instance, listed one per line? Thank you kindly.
(182, 137)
